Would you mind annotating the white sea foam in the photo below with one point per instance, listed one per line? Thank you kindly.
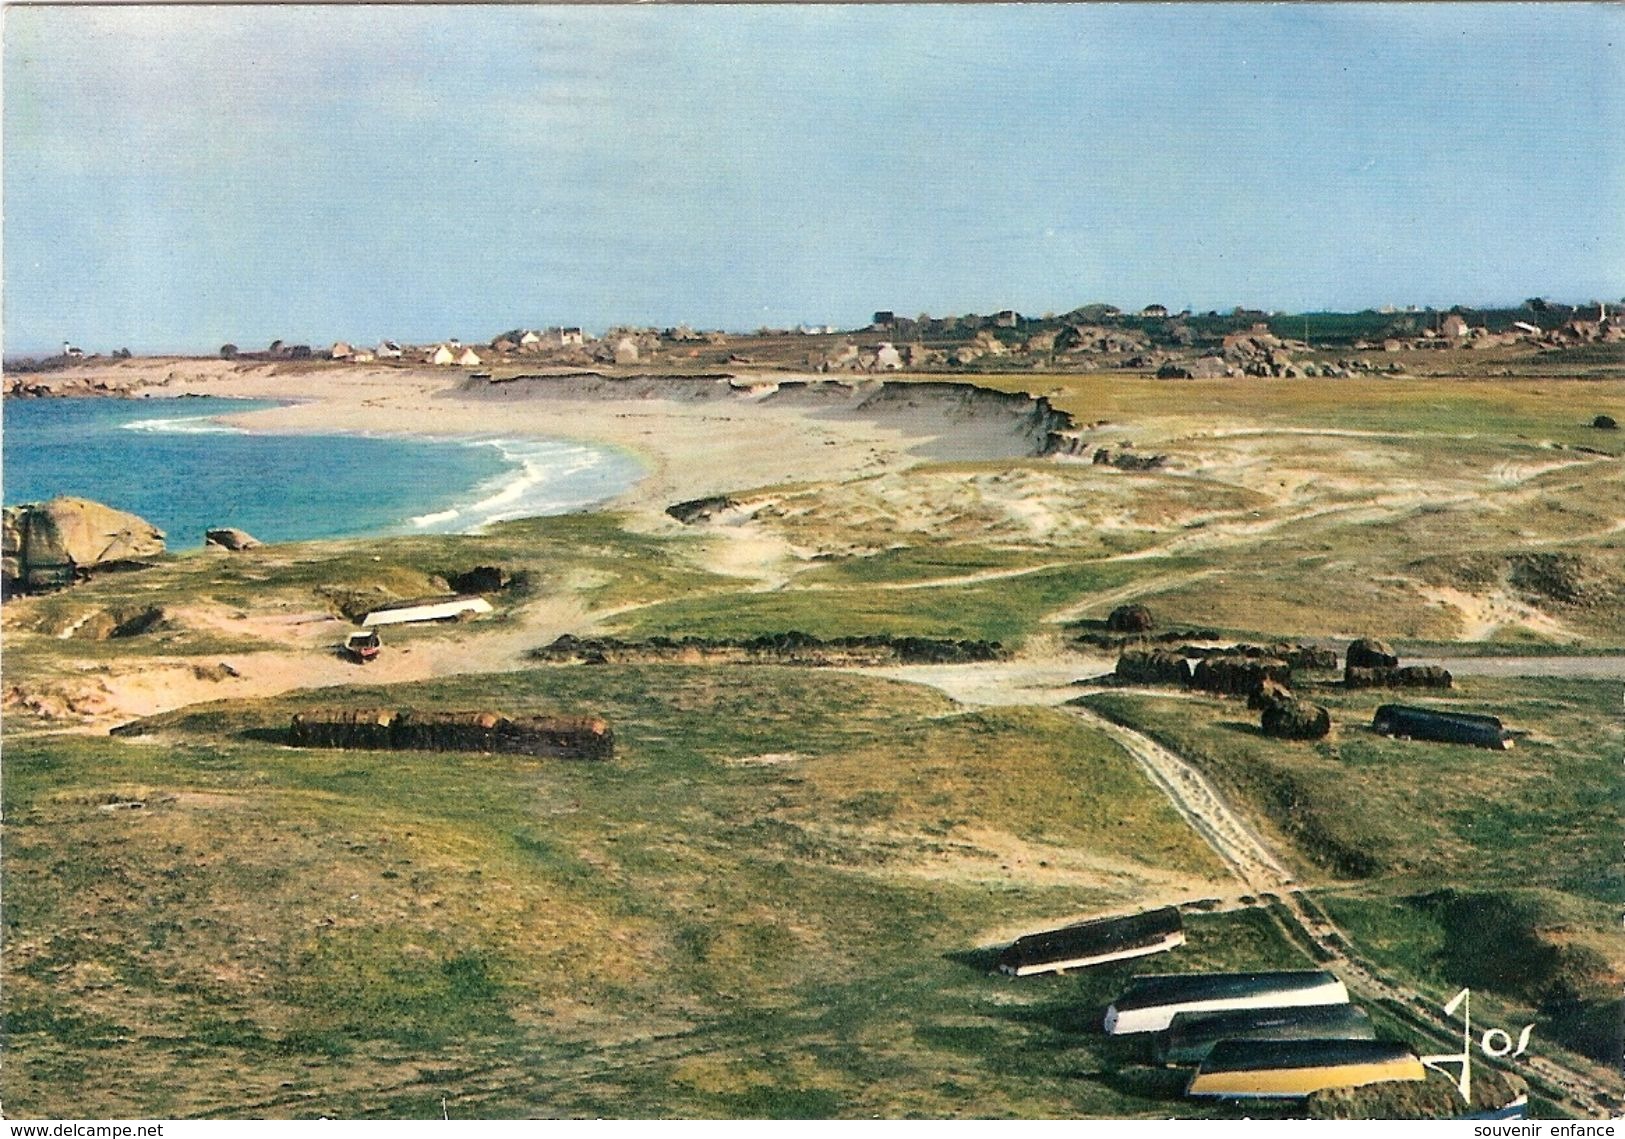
(186, 425)
(429, 521)
(544, 476)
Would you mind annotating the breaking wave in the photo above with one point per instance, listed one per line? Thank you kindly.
(544, 476)
(186, 425)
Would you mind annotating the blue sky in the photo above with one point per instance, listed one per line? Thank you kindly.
(176, 177)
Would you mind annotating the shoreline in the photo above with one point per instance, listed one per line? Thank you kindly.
(687, 448)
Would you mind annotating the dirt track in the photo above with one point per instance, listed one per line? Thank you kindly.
(1196, 800)
(1580, 667)
(1574, 1083)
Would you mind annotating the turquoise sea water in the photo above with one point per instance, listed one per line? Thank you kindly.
(176, 465)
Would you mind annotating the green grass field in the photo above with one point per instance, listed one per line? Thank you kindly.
(767, 903)
(1004, 610)
(1457, 866)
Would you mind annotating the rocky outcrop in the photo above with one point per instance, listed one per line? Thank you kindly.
(1130, 619)
(480, 579)
(700, 509)
(1097, 639)
(792, 647)
(48, 545)
(230, 538)
(562, 737)
(1411, 676)
(1369, 653)
(1239, 675)
(1292, 719)
(1128, 460)
(1268, 694)
(1306, 657)
(1153, 666)
(1204, 368)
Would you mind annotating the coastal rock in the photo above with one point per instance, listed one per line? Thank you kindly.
(1290, 719)
(1153, 666)
(700, 509)
(1268, 694)
(48, 545)
(480, 579)
(1239, 675)
(1130, 619)
(1411, 676)
(1368, 652)
(230, 538)
(1205, 368)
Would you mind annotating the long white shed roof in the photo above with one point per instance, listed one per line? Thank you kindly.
(439, 611)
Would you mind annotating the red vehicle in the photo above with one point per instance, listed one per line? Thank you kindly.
(362, 647)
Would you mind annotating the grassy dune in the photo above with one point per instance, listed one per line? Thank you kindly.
(766, 904)
(1004, 609)
(1359, 804)
(1456, 866)
(1559, 410)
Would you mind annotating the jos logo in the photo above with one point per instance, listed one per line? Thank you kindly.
(1496, 1044)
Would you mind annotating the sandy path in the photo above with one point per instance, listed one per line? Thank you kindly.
(1002, 683)
(1199, 804)
(1103, 603)
(100, 701)
(1578, 1084)
(1611, 667)
(1052, 682)
(973, 578)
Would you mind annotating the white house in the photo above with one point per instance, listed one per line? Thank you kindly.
(388, 350)
(569, 337)
(440, 356)
(529, 339)
(342, 351)
(469, 359)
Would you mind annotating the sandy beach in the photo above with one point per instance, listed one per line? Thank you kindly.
(729, 441)
(689, 450)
